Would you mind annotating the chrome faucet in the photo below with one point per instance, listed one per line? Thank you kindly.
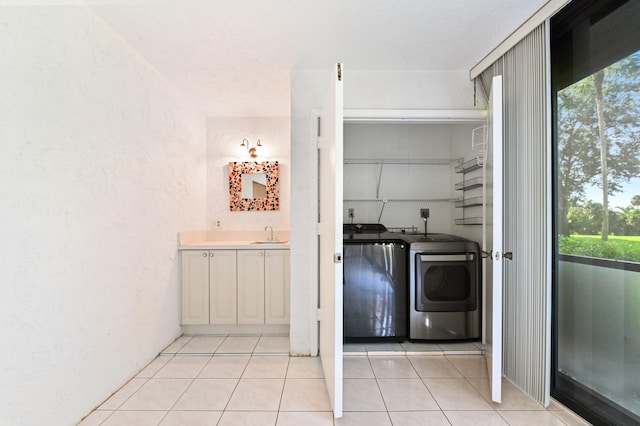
(271, 238)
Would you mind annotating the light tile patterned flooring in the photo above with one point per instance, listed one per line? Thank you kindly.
(251, 380)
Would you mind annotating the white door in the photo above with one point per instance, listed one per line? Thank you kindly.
(492, 242)
(330, 252)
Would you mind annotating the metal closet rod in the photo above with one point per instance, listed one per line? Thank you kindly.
(416, 161)
(402, 200)
(400, 161)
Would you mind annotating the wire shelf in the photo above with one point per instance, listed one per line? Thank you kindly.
(469, 221)
(468, 184)
(479, 143)
(470, 202)
(468, 166)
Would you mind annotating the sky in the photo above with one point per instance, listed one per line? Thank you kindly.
(620, 199)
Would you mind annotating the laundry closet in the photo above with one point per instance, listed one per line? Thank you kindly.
(393, 171)
(413, 209)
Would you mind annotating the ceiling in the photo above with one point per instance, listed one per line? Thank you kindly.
(234, 57)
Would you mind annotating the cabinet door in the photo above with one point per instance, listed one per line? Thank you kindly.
(276, 286)
(250, 286)
(222, 279)
(195, 287)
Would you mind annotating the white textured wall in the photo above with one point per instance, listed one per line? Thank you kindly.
(102, 163)
(224, 136)
(363, 90)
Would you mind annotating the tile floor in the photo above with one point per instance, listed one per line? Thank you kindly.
(409, 348)
(251, 380)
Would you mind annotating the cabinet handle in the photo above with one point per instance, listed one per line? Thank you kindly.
(266, 254)
(204, 254)
(210, 254)
(260, 254)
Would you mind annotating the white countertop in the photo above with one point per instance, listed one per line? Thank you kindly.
(232, 240)
(234, 245)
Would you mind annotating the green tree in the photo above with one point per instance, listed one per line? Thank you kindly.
(577, 155)
(598, 135)
(630, 216)
(585, 218)
(598, 82)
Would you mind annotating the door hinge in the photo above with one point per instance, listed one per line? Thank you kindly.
(318, 127)
(318, 232)
(318, 314)
(339, 72)
(337, 258)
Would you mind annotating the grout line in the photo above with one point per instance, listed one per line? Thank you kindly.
(174, 342)
(388, 414)
(185, 389)
(284, 384)
(224, 410)
(505, 420)
(235, 387)
(106, 418)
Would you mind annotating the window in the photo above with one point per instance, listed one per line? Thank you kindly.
(595, 63)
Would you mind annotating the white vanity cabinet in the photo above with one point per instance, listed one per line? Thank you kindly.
(209, 287)
(263, 286)
(243, 286)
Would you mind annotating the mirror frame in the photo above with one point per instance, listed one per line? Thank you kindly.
(270, 202)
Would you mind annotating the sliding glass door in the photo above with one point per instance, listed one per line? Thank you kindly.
(595, 61)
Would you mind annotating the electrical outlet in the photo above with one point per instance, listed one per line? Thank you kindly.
(424, 213)
(218, 224)
(352, 212)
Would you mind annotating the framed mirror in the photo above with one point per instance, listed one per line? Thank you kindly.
(253, 186)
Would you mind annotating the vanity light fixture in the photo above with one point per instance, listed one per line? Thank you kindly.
(252, 151)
